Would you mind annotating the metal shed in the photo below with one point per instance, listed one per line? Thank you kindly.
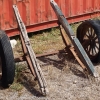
(38, 14)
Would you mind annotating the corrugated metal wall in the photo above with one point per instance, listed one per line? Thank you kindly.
(38, 14)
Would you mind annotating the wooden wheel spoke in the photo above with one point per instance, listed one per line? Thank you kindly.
(97, 46)
(87, 35)
(89, 32)
(96, 42)
(89, 50)
(95, 50)
(96, 38)
(93, 33)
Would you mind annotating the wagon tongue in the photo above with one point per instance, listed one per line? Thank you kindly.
(78, 51)
(30, 55)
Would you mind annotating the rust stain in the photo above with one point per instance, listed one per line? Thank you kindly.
(26, 8)
(27, 3)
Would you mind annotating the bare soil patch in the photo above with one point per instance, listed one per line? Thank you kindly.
(63, 74)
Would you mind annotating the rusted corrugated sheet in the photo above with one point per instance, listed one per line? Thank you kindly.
(38, 14)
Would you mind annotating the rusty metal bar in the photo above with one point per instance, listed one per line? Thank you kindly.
(30, 53)
(23, 58)
(20, 59)
(78, 47)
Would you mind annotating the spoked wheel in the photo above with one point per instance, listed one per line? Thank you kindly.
(88, 34)
(7, 64)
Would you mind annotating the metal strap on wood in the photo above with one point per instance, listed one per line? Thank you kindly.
(71, 47)
(78, 47)
(30, 53)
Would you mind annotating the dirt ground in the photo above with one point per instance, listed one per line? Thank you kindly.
(64, 76)
(65, 80)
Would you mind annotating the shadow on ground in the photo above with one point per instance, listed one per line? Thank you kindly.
(61, 60)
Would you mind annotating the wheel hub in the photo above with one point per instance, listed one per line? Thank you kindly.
(92, 42)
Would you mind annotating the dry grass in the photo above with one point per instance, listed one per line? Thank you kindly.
(47, 41)
(18, 77)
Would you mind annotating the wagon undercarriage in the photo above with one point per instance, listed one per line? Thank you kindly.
(87, 33)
